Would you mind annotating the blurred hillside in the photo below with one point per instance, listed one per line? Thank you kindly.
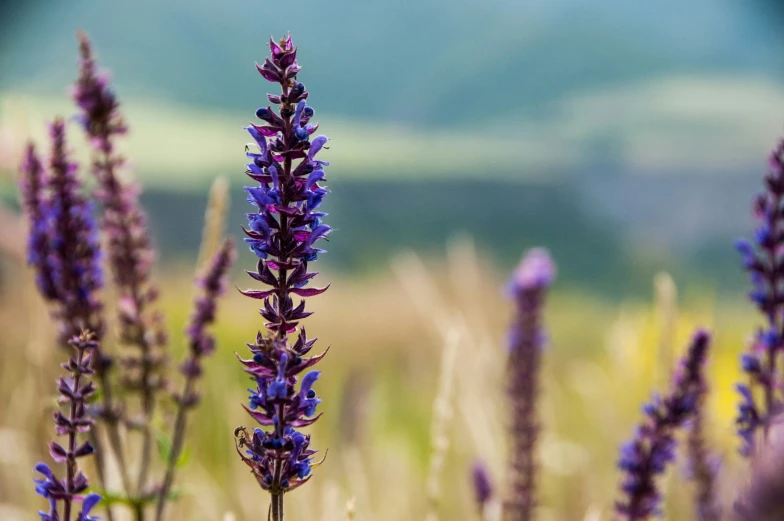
(627, 137)
(431, 62)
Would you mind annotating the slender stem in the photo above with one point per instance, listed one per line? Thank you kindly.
(101, 466)
(177, 445)
(106, 163)
(71, 463)
(138, 511)
(277, 506)
(148, 405)
(276, 491)
(112, 430)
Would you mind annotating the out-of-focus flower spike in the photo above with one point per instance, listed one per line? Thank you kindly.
(201, 343)
(33, 185)
(762, 260)
(528, 288)
(76, 391)
(646, 456)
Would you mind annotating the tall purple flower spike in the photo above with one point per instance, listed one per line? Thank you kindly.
(63, 243)
(761, 397)
(75, 390)
(282, 233)
(35, 203)
(528, 287)
(647, 454)
(130, 257)
(201, 343)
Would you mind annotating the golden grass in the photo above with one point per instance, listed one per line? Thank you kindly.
(379, 384)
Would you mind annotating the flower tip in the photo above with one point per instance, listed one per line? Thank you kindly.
(536, 270)
(744, 246)
(89, 503)
(702, 334)
(482, 484)
(43, 468)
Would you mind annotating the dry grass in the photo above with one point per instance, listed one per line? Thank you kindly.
(379, 385)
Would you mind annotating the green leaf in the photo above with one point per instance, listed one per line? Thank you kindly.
(164, 446)
(109, 498)
(165, 450)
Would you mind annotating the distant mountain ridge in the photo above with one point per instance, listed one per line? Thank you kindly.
(424, 62)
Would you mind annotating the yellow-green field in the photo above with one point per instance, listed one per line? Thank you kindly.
(378, 387)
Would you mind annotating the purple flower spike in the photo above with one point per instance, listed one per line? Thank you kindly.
(213, 285)
(201, 343)
(762, 260)
(283, 233)
(89, 503)
(652, 448)
(63, 243)
(75, 392)
(535, 270)
(130, 257)
(33, 185)
(528, 288)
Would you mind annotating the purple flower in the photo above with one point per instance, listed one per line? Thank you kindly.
(33, 185)
(283, 233)
(130, 257)
(129, 249)
(201, 343)
(100, 116)
(75, 392)
(89, 503)
(212, 284)
(528, 287)
(762, 259)
(63, 243)
(652, 447)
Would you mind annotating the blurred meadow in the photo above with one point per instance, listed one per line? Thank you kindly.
(628, 139)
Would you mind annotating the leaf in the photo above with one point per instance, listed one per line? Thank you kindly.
(165, 450)
(308, 292)
(164, 446)
(109, 498)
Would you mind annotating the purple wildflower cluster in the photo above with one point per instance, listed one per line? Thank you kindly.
(282, 233)
(63, 243)
(647, 454)
(129, 248)
(75, 391)
(762, 259)
(528, 288)
(64, 250)
(64, 253)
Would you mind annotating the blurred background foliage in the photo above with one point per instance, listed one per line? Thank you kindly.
(627, 138)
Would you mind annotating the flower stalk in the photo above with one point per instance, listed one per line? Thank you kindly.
(282, 232)
(652, 448)
(528, 287)
(201, 343)
(130, 256)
